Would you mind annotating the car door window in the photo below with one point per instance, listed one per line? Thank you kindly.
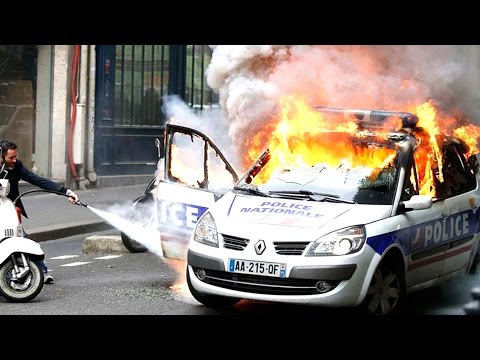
(218, 177)
(187, 154)
(457, 177)
(194, 160)
(410, 186)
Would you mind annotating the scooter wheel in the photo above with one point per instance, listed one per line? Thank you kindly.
(22, 290)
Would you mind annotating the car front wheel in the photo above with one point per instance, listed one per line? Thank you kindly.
(141, 207)
(475, 263)
(386, 292)
(212, 301)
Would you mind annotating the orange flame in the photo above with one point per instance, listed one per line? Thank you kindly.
(303, 136)
(430, 156)
(179, 266)
(469, 134)
(181, 170)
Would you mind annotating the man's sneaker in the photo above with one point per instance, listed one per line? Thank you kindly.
(47, 278)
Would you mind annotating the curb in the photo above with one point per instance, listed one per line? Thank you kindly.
(65, 230)
(109, 244)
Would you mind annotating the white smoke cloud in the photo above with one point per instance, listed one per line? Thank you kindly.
(251, 78)
(211, 122)
(138, 223)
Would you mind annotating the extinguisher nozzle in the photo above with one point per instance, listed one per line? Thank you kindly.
(81, 203)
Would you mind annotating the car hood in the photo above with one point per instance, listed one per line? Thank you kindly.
(295, 213)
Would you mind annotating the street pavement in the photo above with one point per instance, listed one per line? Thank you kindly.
(52, 216)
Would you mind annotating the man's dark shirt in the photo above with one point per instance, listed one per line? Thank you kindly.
(20, 172)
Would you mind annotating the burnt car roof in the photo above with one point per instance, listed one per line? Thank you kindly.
(371, 119)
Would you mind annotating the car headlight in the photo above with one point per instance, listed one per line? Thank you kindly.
(206, 231)
(341, 242)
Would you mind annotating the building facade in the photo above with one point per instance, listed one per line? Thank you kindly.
(88, 115)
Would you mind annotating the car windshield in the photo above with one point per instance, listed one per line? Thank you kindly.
(368, 176)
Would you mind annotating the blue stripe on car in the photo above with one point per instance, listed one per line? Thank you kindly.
(429, 234)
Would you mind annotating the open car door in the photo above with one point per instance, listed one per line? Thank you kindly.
(196, 174)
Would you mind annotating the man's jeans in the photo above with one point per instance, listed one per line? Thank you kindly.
(41, 263)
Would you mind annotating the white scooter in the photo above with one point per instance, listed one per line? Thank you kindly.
(21, 278)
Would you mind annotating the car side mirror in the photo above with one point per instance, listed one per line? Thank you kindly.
(417, 202)
(157, 144)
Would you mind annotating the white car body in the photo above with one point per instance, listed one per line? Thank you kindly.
(420, 241)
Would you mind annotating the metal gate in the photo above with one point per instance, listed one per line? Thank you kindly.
(131, 81)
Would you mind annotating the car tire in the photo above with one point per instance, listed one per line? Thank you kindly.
(132, 245)
(386, 292)
(213, 301)
(475, 263)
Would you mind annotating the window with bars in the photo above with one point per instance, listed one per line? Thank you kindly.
(143, 74)
(141, 80)
(197, 93)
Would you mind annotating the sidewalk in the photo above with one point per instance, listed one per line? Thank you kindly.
(52, 216)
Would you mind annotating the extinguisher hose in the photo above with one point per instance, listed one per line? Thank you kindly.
(47, 191)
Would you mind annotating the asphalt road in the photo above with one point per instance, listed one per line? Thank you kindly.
(144, 284)
(128, 284)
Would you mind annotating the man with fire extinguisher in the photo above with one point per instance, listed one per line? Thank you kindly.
(16, 171)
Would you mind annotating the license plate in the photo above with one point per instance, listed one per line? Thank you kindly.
(257, 267)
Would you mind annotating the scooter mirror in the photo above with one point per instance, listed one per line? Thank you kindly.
(3, 165)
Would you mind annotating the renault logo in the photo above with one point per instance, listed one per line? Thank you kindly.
(260, 247)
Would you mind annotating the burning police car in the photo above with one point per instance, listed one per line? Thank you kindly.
(356, 215)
